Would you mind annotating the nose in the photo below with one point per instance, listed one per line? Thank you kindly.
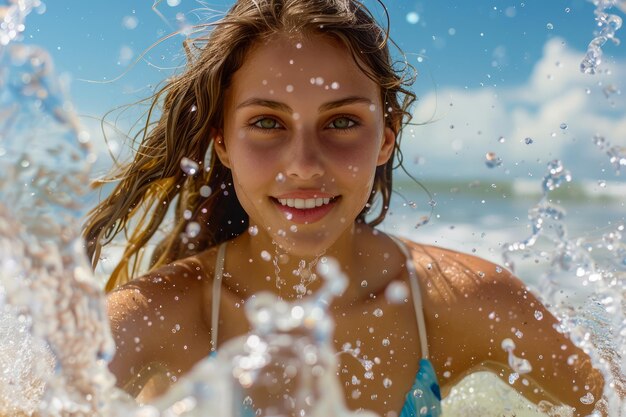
(304, 159)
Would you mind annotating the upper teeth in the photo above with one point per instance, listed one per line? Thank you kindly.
(303, 203)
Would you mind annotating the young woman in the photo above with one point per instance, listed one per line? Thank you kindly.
(292, 111)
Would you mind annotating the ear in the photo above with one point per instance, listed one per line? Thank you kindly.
(387, 146)
(220, 148)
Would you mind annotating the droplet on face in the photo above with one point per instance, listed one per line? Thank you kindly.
(364, 283)
(387, 382)
(253, 230)
(280, 177)
(538, 315)
(265, 255)
(378, 312)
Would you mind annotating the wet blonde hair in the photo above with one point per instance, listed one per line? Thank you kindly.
(192, 113)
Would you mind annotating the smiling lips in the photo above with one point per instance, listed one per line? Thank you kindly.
(305, 210)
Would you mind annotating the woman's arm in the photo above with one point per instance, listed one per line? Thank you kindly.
(508, 330)
(472, 306)
(157, 322)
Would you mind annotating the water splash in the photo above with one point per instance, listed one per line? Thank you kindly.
(284, 366)
(519, 365)
(608, 24)
(599, 263)
(615, 153)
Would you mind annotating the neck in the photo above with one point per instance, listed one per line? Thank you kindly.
(292, 274)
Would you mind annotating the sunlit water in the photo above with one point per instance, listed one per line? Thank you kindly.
(54, 337)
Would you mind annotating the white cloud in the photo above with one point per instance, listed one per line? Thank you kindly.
(467, 123)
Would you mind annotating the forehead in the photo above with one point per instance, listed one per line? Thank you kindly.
(305, 65)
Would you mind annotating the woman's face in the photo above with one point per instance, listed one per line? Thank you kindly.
(303, 133)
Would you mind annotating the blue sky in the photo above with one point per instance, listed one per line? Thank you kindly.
(487, 69)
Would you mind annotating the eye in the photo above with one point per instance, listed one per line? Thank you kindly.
(342, 123)
(266, 123)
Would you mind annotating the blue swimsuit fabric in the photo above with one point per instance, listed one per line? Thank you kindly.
(424, 399)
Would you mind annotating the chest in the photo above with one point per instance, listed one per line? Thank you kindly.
(377, 345)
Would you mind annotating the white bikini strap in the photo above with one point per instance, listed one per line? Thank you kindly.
(417, 296)
(215, 301)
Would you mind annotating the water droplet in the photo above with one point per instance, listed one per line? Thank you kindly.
(193, 229)
(396, 292)
(423, 220)
(280, 177)
(563, 126)
(507, 344)
(549, 26)
(289, 88)
(538, 315)
(253, 230)
(501, 139)
(492, 160)
(386, 342)
(412, 17)
(189, 166)
(528, 141)
(518, 365)
(572, 359)
(364, 283)
(265, 255)
(378, 312)
(387, 382)
(205, 191)
(130, 22)
(334, 85)
(587, 398)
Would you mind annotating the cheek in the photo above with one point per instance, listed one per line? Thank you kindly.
(357, 164)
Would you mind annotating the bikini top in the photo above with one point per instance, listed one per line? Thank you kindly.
(424, 398)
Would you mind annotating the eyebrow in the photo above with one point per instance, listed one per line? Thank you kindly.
(276, 105)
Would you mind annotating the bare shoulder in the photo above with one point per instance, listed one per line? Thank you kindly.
(164, 287)
(450, 276)
(151, 314)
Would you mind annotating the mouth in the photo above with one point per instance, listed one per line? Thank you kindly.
(305, 203)
(305, 210)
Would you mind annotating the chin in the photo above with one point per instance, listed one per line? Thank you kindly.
(305, 244)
